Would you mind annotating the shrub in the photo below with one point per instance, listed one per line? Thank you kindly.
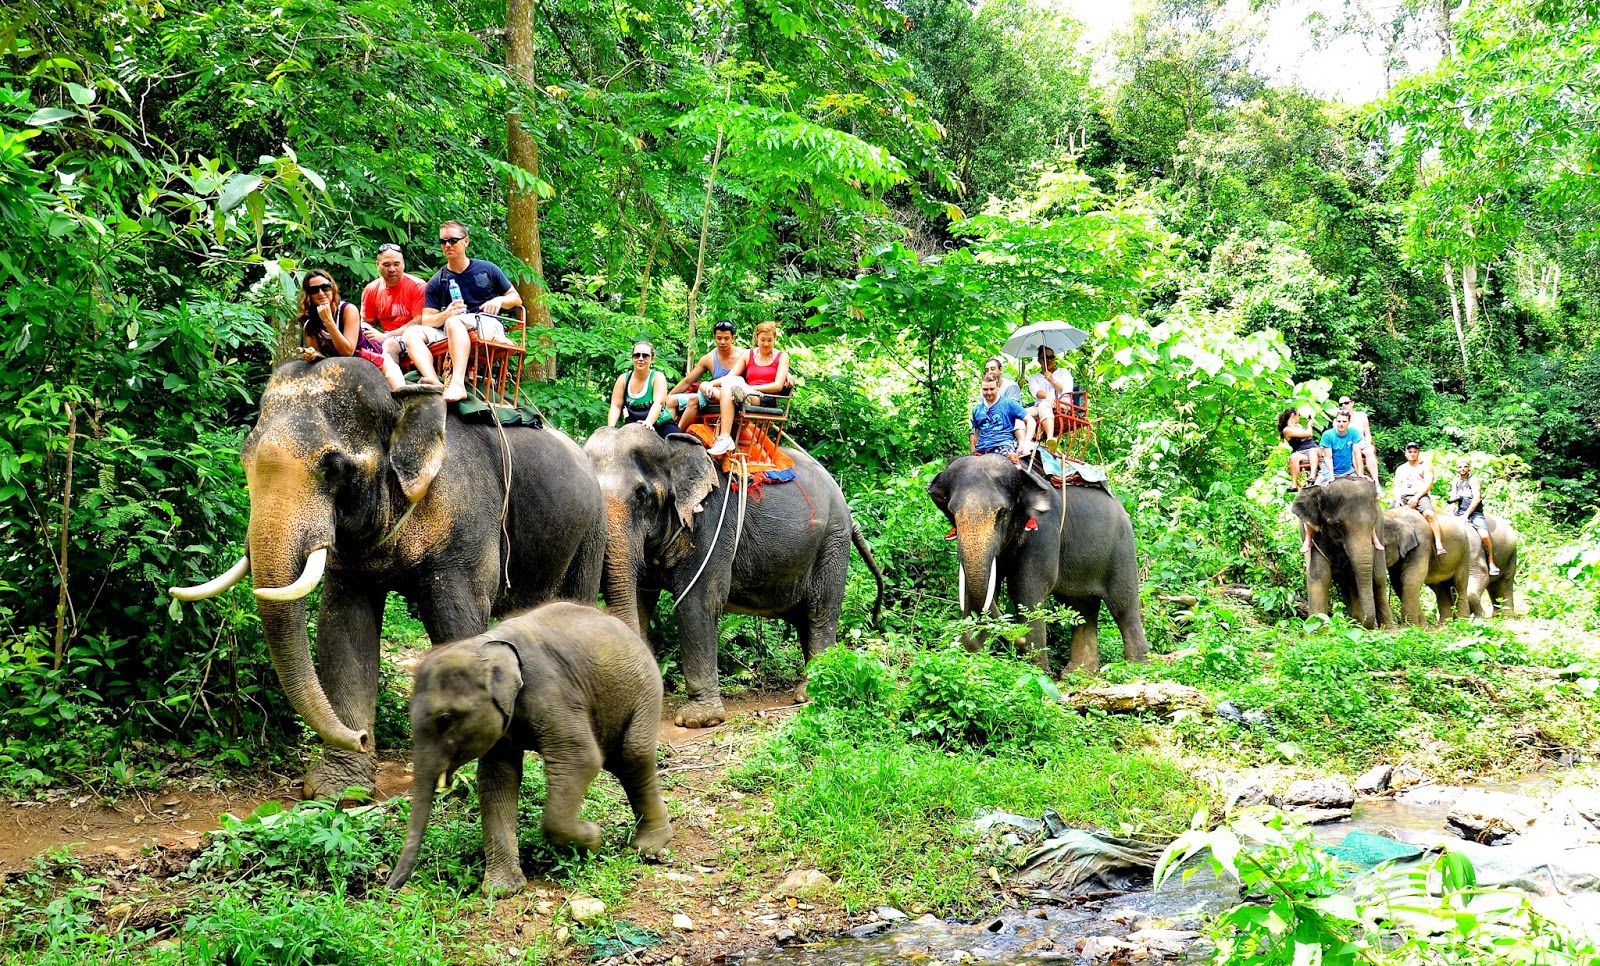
(958, 698)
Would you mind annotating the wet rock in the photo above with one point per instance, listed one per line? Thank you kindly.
(866, 930)
(931, 921)
(889, 914)
(1375, 781)
(1318, 794)
(1404, 776)
(1097, 948)
(1578, 806)
(1317, 816)
(1164, 941)
(1247, 795)
(1154, 697)
(1492, 818)
(802, 883)
(1431, 796)
(585, 908)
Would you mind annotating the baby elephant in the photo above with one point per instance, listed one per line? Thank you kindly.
(575, 685)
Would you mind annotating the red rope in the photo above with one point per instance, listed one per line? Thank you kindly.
(813, 521)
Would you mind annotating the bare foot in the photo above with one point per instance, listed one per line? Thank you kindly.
(430, 381)
(455, 392)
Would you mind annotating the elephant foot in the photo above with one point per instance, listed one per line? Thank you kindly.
(701, 713)
(800, 696)
(338, 771)
(504, 882)
(578, 835)
(649, 840)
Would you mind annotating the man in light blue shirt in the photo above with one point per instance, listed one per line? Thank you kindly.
(1338, 445)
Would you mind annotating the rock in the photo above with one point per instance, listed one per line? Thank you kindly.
(1096, 948)
(1375, 781)
(802, 882)
(1431, 796)
(889, 914)
(1491, 818)
(1246, 795)
(544, 907)
(682, 923)
(1164, 941)
(1404, 776)
(866, 930)
(1155, 697)
(1318, 793)
(783, 935)
(1578, 806)
(585, 908)
(1317, 816)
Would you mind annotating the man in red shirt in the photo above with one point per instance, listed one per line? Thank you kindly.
(393, 302)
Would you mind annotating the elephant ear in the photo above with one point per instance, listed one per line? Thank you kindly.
(1035, 498)
(1308, 506)
(939, 491)
(692, 473)
(1405, 539)
(502, 676)
(416, 447)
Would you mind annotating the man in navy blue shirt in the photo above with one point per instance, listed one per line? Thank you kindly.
(484, 291)
(998, 424)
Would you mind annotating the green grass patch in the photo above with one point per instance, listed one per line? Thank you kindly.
(878, 780)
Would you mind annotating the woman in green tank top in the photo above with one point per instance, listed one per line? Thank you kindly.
(640, 394)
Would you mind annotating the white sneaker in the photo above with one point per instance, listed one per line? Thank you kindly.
(722, 445)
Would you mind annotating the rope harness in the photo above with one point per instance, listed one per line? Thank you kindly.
(742, 470)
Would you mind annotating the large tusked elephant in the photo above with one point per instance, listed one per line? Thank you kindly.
(673, 524)
(1080, 551)
(368, 491)
(573, 684)
(1412, 562)
(1346, 514)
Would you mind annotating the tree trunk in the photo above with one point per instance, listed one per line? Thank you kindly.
(705, 230)
(1469, 295)
(1455, 311)
(522, 206)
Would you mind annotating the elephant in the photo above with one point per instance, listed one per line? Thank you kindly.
(1411, 562)
(1075, 544)
(565, 680)
(367, 491)
(1346, 515)
(1502, 588)
(674, 523)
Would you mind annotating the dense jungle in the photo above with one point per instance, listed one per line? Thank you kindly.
(899, 186)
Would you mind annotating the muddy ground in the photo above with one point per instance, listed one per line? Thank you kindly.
(138, 843)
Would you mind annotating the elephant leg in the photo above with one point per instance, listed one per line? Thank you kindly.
(1028, 590)
(1463, 599)
(1445, 601)
(697, 647)
(571, 763)
(636, 771)
(817, 625)
(348, 625)
(1319, 581)
(1085, 655)
(1411, 594)
(456, 605)
(499, 779)
(1126, 611)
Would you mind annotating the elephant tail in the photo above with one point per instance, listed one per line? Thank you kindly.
(872, 565)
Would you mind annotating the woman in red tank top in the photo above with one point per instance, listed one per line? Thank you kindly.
(767, 370)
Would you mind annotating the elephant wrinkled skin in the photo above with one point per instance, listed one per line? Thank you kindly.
(1502, 588)
(575, 685)
(1081, 551)
(400, 497)
(672, 525)
(1346, 514)
(1412, 562)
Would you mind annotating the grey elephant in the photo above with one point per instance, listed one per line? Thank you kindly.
(1346, 516)
(1501, 589)
(575, 685)
(366, 491)
(1412, 563)
(675, 524)
(1079, 549)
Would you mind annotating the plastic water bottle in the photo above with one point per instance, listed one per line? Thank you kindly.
(455, 291)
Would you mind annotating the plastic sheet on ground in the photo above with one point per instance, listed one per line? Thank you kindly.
(1078, 861)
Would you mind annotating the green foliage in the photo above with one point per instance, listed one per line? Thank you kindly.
(953, 697)
(312, 844)
(282, 927)
(1300, 905)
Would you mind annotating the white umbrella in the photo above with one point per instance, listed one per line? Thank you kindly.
(1059, 337)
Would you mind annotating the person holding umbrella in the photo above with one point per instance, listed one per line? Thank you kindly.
(1048, 385)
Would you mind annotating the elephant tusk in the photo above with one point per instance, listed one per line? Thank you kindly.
(988, 598)
(961, 585)
(215, 585)
(315, 565)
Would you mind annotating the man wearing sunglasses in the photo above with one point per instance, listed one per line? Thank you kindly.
(481, 291)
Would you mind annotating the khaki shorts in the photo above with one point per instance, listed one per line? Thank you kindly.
(489, 328)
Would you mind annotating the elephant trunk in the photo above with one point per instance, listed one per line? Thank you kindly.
(1359, 549)
(624, 549)
(283, 623)
(979, 565)
(424, 781)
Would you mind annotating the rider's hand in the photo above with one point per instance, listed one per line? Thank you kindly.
(492, 307)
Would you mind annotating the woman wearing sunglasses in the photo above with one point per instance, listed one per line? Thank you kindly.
(640, 394)
(330, 326)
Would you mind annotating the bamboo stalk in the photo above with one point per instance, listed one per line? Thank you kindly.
(66, 523)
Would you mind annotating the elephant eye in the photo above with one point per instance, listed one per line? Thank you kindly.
(335, 467)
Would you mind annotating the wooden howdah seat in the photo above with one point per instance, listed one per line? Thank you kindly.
(757, 432)
(494, 369)
(1074, 427)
